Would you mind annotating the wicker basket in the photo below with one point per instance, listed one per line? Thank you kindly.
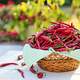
(58, 63)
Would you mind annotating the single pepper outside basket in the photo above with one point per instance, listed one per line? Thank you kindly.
(61, 37)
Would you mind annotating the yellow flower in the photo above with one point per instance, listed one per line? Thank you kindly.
(53, 6)
(23, 6)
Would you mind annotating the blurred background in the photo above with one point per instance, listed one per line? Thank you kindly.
(19, 19)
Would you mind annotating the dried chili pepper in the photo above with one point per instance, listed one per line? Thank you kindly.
(21, 72)
(7, 64)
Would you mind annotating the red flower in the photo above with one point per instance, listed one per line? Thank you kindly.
(2, 5)
(14, 34)
(11, 2)
(22, 17)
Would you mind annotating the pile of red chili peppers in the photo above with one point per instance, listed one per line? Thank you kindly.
(60, 36)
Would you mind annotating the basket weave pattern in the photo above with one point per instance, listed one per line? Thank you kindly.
(58, 65)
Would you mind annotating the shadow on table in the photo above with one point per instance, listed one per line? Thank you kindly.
(71, 75)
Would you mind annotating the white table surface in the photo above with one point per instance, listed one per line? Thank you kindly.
(13, 75)
(6, 47)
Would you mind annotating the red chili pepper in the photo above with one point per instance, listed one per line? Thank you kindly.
(32, 69)
(44, 44)
(7, 64)
(38, 44)
(40, 75)
(21, 72)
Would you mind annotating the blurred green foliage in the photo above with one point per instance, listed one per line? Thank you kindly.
(37, 14)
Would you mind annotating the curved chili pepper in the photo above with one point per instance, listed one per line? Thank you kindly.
(21, 72)
(7, 64)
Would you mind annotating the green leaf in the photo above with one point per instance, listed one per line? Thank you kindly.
(22, 35)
